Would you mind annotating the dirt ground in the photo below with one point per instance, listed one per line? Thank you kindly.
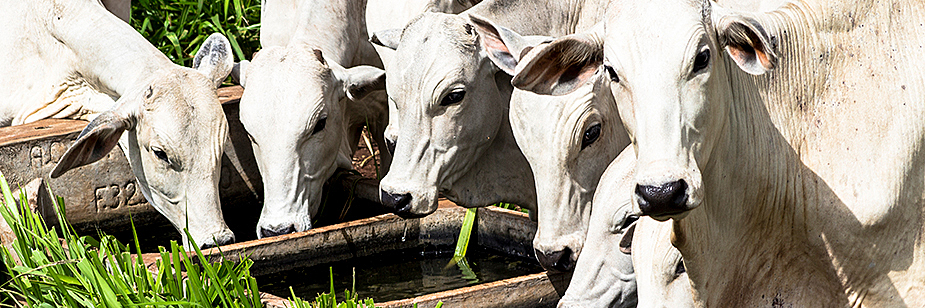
(364, 160)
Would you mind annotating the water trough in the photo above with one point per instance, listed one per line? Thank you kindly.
(497, 230)
(101, 196)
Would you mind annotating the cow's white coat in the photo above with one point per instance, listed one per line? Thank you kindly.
(73, 59)
(303, 110)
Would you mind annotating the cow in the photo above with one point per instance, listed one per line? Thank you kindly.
(73, 59)
(604, 275)
(392, 14)
(568, 140)
(784, 147)
(449, 89)
(661, 278)
(303, 110)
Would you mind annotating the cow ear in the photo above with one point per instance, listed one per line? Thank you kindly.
(97, 138)
(361, 80)
(214, 59)
(747, 43)
(504, 47)
(239, 72)
(387, 38)
(561, 66)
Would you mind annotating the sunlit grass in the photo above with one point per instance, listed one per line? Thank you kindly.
(177, 27)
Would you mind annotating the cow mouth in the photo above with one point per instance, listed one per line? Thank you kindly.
(676, 215)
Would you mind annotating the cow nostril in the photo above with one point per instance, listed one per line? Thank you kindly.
(264, 232)
(668, 198)
(395, 202)
(390, 145)
(558, 261)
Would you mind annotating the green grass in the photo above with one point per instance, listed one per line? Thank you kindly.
(58, 268)
(54, 267)
(178, 27)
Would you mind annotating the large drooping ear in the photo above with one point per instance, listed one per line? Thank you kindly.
(239, 72)
(560, 67)
(98, 138)
(746, 41)
(214, 58)
(362, 80)
(387, 38)
(358, 81)
(504, 47)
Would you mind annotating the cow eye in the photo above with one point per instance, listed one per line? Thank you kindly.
(612, 73)
(629, 221)
(320, 125)
(679, 269)
(160, 154)
(701, 60)
(591, 135)
(453, 97)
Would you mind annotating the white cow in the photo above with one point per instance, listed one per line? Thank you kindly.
(71, 59)
(661, 277)
(568, 140)
(393, 14)
(303, 110)
(766, 138)
(604, 276)
(449, 87)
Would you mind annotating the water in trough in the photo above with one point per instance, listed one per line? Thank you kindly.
(398, 275)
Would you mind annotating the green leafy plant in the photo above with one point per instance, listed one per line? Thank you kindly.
(329, 300)
(57, 268)
(64, 269)
(178, 27)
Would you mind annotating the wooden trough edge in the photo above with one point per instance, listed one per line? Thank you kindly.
(502, 293)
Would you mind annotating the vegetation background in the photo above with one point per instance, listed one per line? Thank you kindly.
(178, 27)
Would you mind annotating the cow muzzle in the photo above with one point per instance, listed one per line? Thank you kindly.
(556, 261)
(664, 201)
(221, 238)
(400, 204)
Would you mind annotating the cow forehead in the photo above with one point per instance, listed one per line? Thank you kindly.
(553, 118)
(434, 48)
(286, 89)
(644, 34)
(185, 111)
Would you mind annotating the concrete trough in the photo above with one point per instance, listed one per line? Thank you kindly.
(103, 194)
(496, 229)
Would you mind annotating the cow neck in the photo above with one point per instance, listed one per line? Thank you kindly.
(339, 30)
(110, 55)
(501, 174)
(548, 17)
(753, 224)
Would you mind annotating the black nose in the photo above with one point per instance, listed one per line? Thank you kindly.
(271, 232)
(390, 144)
(557, 261)
(666, 199)
(395, 202)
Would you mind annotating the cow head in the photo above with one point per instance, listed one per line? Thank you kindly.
(673, 91)
(569, 140)
(174, 136)
(660, 273)
(293, 109)
(604, 275)
(449, 91)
